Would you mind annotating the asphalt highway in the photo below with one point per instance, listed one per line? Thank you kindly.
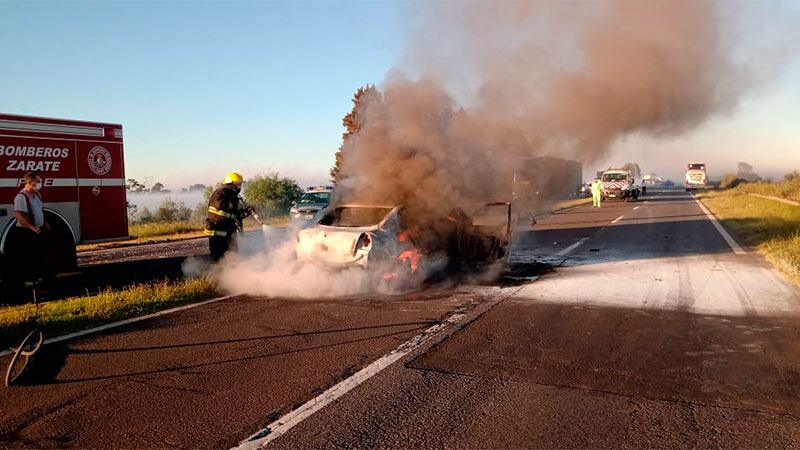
(644, 328)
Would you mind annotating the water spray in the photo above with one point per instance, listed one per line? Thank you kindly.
(247, 206)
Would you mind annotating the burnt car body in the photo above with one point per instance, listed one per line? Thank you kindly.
(383, 236)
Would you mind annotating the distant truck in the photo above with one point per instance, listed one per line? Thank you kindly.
(619, 184)
(696, 177)
(83, 182)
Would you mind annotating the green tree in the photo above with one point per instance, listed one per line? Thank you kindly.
(745, 172)
(145, 216)
(171, 211)
(730, 180)
(271, 195)
(157, 187)
(352, 122)
(134, 186)
(791, 176)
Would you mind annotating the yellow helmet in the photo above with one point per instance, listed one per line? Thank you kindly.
(232, 178)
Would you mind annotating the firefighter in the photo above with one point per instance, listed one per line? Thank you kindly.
(597, 192)
(226, 211)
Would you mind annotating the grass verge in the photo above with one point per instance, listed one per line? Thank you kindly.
(771, 227)
(61, 317)
(789, 190)
(144, 230)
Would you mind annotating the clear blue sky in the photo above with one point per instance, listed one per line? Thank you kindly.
(201, 88)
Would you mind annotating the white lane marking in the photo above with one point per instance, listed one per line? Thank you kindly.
(572, 247)
(618, 219)
(636, 207)
(125, 322)
(281, 426)
(725, 235)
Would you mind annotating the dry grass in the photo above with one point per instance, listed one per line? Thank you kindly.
(145, 230)
(65, 316)
(771, 227)
(785, 189)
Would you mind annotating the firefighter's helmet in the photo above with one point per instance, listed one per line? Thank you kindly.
(233, 178)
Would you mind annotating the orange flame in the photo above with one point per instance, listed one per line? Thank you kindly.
(410, 233)
(412, 256)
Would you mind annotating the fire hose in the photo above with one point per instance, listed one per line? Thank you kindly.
(253, 213)
(29, 346)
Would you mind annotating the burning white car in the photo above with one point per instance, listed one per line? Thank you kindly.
(382, 237)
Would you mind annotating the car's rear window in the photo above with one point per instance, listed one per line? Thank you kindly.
(354, 216)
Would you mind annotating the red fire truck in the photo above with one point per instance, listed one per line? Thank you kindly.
(83, 181)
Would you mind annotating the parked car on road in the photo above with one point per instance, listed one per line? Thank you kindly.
(305, 210)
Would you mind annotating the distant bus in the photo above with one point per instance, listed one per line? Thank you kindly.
(696, 177)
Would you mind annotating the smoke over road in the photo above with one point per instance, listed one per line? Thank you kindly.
(483, 85)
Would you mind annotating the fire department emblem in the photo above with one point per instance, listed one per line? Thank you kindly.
(99, 160)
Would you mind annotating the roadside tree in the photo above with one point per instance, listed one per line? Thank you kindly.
(172, 211)
(271, 195)
(352, 122)
(134, 186)
(745, 172)
(730, 180)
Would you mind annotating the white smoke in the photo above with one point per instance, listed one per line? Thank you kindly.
(269, 267)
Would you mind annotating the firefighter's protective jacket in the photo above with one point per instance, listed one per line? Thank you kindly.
(597, 187)
(225, 212)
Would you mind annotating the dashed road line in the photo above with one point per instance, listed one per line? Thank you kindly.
(617, 219)
(457, 320)
(725, 235)
(572, 247)
(636, 207)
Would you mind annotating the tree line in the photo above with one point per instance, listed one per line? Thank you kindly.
(270, 194)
